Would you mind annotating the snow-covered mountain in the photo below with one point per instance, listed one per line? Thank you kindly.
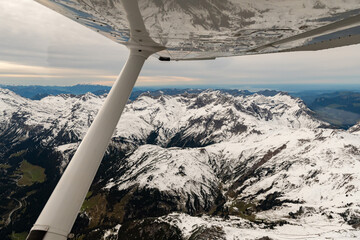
(195, 166)
(215, 115)
(355, 129)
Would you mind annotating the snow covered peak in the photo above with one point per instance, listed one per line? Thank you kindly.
(208, 117)
(252, 157)
(355, 129)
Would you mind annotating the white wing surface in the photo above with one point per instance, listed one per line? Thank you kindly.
(203, 29)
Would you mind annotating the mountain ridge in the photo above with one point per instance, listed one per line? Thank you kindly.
(192, 164)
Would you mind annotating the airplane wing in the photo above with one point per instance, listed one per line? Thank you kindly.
(196, 30)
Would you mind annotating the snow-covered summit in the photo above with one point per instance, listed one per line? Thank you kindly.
(355, 129)
(259, 159)
(213, 115)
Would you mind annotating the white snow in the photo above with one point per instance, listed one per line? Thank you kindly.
(317, 169)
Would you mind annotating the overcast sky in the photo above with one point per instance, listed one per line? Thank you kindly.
(39, 46)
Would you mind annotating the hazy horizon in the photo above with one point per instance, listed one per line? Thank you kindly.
(249, 87)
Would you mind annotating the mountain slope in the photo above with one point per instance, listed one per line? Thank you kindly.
(190, 166)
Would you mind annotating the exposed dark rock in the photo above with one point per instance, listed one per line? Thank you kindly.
(148, 229)
(243, 177)
(205, 233)
(150, 203)
(297, 214)
(264, 238)
(189, 141)
(272, 200)
(239, 128)
(352, 218)
(152, 138)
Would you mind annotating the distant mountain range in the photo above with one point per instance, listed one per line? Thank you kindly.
(36, 92)
(340, 108)
(191, 165)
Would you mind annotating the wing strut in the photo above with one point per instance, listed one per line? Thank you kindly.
(59, 214)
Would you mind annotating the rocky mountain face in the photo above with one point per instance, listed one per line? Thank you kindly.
(209, 165)
(355, 129)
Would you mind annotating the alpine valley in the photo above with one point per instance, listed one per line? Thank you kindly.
(194, 165)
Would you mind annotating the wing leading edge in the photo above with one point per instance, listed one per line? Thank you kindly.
(195, 30)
